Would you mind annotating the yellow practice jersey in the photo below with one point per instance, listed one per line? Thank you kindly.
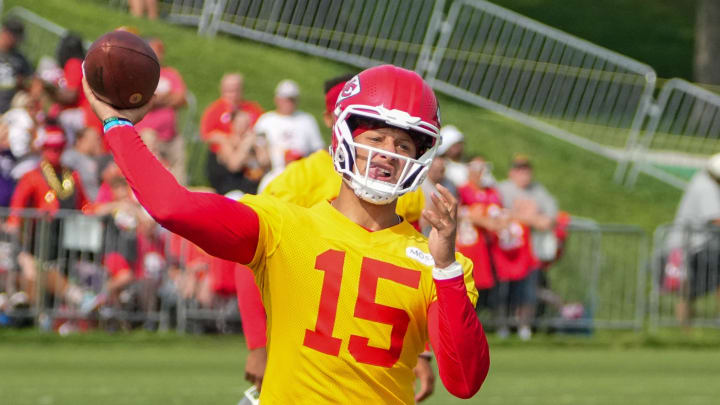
(313, 179)
(346, 307)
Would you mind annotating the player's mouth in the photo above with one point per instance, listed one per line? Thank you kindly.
(381, 172)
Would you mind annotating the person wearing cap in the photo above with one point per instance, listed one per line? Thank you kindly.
(48, 188)
(692, 265)
(14, 66)
(535, 208)
(290, 133)
(452, 148)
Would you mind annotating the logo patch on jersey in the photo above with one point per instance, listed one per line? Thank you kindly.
(420, 256)
(352, 87)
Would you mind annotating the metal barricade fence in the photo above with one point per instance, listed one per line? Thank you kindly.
(542, 77)
(599, 282)
(685, 276)
(359, 32)
(683, 131)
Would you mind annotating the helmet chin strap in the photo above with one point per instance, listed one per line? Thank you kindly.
(368, 194)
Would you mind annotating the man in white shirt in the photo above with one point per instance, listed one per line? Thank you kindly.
(291, 133)
(692, 265)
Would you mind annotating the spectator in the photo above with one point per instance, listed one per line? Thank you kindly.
(535, 209)
(48, 188)
(14, 67)
(161, 122)
(452, 150)
(7, 162)
(242, 157)
(139, 8)
(22, 121)
(693, 261)
(291, 133)
(217, 122)
(436, 175)
(480, 217)
(83, 158)
(72, 109)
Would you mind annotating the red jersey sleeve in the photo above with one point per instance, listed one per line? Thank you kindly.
(252, 311)
(222, 227)
(458, 339)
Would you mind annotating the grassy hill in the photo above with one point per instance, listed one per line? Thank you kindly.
(657, 32)
(581, 180)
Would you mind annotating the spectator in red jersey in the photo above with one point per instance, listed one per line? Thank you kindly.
(161, 122)
(480, 218)
(535, 208)
(75, 113)
(217, 123)
(48, 188)
(244, 157)
(134, 244)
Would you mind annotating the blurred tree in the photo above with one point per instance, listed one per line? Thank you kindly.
(707, 42)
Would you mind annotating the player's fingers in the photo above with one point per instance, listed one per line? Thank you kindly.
(433, 218)
(258, 383)
(448, 197)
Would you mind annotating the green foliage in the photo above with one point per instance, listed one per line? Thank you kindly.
(659, 33)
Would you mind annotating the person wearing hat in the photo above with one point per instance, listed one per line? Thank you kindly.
(48, 188)
(451, 148)
(14, 67)
(290, 133)
(692, 265)
(532, 206)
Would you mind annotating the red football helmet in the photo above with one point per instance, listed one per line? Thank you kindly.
(390, 96)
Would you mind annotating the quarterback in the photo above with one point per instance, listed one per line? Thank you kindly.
(352, 291)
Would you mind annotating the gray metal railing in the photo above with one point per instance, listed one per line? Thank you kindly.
(685, 288)
(542, 77)
(683, 130)
(358, 32)
(603, 270)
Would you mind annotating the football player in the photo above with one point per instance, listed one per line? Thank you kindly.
(306, 182)
(352, 291)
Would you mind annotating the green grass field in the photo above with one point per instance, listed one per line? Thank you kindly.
(169, 369)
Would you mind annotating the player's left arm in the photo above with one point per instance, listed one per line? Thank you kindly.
(456, 334)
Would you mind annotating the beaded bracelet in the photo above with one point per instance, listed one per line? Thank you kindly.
(112, 122)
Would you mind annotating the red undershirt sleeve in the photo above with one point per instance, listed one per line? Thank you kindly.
(222, 227)
(458, 339)
(252, 311)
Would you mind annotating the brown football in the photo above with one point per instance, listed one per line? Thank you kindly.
(121, 69)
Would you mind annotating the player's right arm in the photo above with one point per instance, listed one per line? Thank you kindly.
(220, 226)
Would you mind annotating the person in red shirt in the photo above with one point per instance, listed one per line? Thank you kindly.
(216, 128)
(48, 188)
(480, 218)
(72, 109)
(161, 122)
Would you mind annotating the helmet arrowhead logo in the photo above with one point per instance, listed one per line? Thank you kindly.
(352, 87)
